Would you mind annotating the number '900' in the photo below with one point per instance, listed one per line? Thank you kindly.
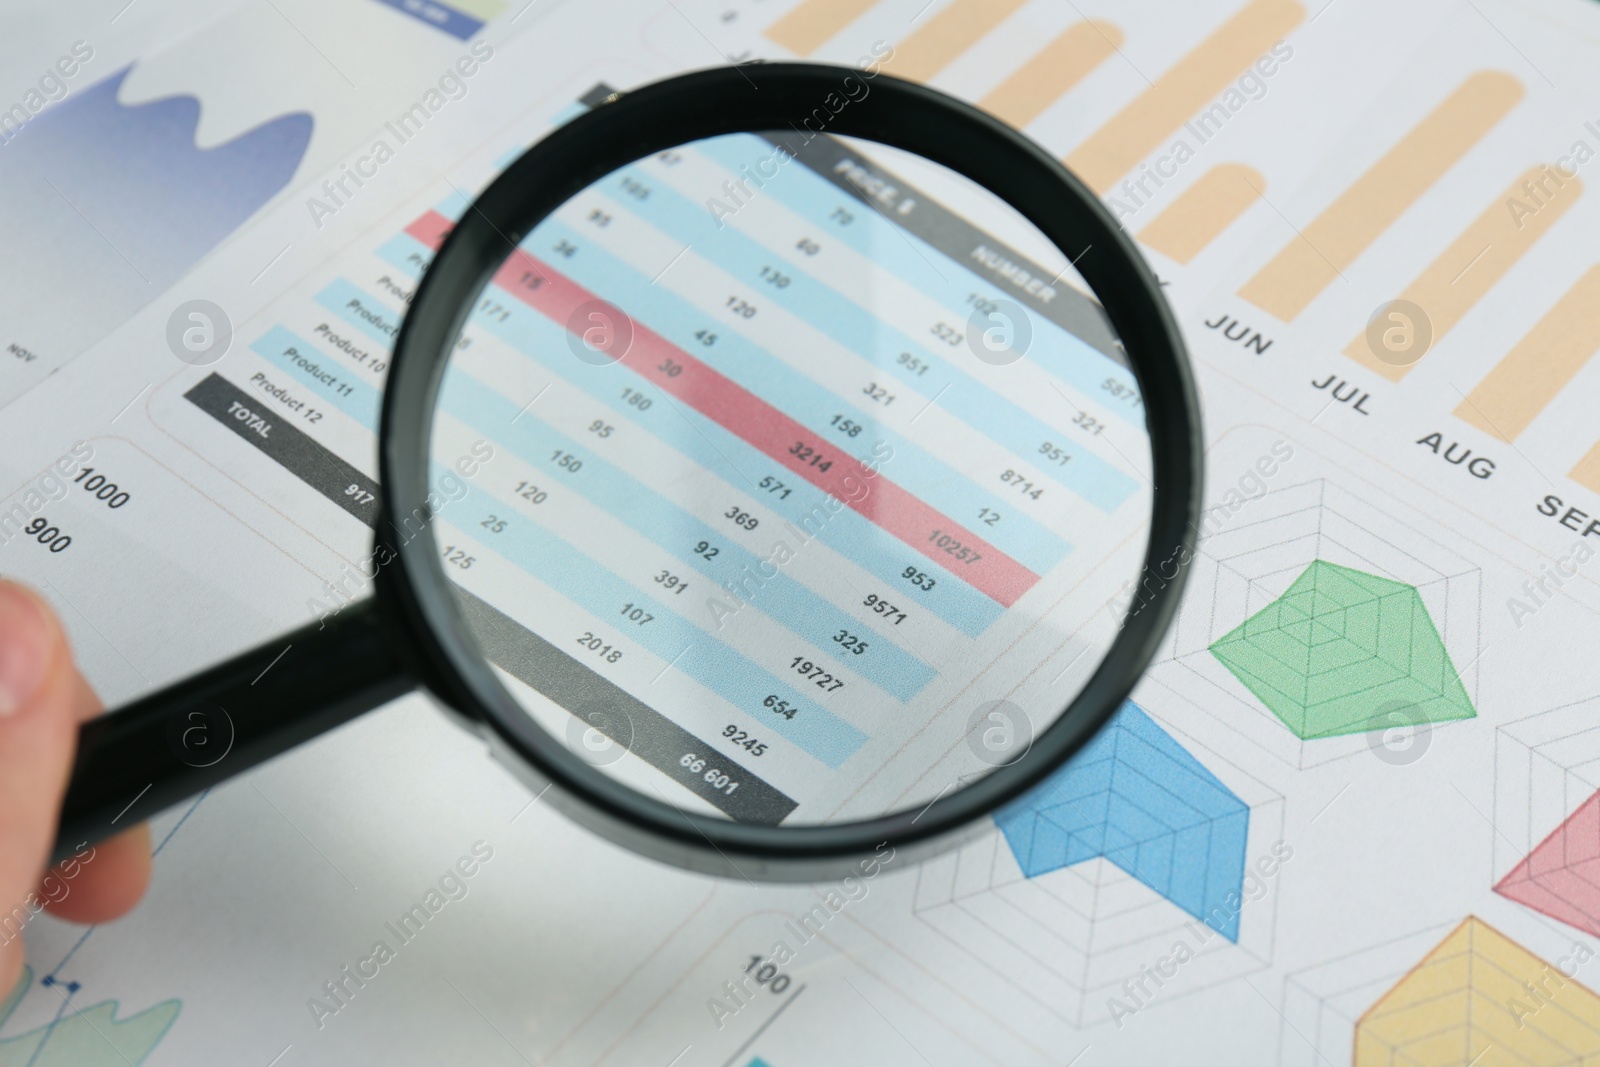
(47, 535)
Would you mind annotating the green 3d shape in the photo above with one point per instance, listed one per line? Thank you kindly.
(1345, 652)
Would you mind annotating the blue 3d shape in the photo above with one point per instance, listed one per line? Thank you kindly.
(1138, 798)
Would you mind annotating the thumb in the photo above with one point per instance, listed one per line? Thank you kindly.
(38, 728)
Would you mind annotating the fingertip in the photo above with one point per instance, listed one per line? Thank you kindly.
(11, 958)
(103, 885)
(29, 640)
(37, 725)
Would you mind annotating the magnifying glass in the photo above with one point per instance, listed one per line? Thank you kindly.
(778, 461)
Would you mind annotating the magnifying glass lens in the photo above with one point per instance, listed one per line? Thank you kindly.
(790, 479)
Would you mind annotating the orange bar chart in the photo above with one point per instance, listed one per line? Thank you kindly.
(1202, 211)
(1050, 74)
(935, 45)
(1348, 226)
(1541, 365)
(1161, 110)
(809, 26)
(1476, 260)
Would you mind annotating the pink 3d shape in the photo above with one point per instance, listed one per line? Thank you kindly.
(1561, 877)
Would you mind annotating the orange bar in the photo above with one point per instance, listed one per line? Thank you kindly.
(1587, 472)
(945, 36)
(1161, 110)
(1051, 74)
(1479, 258)
(1544, 362)
(809, 26)
(1203, 211)
(1349, 225)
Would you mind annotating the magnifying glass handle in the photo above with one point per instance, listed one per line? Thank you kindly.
(178, 741)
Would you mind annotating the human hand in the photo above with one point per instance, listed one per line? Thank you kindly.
(43, 698)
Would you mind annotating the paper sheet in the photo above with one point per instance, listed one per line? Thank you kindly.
(1410, 842)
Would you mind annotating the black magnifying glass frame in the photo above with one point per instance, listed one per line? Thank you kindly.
(147, 756)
